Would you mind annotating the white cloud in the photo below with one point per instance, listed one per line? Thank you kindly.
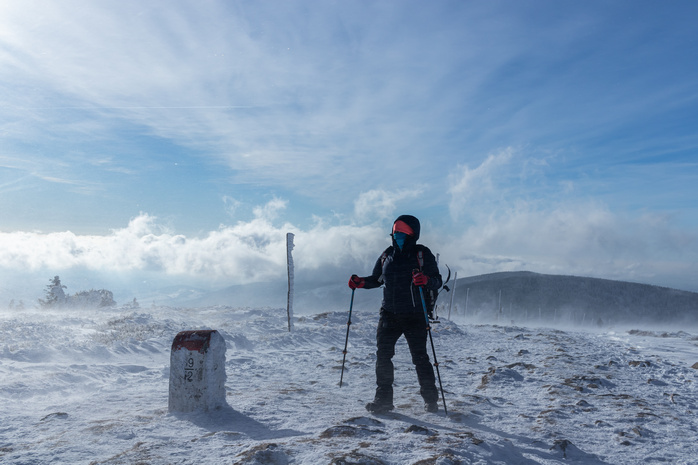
(241, 84)
(519, 219)
(231, 205)
(585, 239)
(271, 210)
(246, 252)
(377, 205)
(470, 186)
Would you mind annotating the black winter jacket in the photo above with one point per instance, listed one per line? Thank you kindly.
(394, 268)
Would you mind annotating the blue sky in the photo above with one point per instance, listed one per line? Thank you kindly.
(184, 139)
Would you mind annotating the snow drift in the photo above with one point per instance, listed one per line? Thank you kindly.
(87, 387)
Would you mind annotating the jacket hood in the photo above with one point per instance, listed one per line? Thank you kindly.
(412, 222)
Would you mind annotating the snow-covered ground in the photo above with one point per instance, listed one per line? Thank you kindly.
(91, 387)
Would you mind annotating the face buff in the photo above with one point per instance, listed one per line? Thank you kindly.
(399, 239)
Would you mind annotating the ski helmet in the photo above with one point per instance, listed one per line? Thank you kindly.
(407, 224)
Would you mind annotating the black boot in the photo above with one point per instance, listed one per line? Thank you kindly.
(379, 406)
(431, 407)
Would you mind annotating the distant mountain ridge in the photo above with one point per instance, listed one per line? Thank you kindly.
(526, 298)
(524, 295)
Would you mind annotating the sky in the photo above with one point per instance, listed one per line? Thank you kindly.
(176, 142)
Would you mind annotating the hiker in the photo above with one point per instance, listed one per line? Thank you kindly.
(402, 268)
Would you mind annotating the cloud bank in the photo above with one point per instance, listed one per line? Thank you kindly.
(502, 234)
(251, 251)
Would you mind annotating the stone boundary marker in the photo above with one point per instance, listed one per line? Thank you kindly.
(197, 371)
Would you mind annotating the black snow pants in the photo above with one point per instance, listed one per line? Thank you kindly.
(390, 327)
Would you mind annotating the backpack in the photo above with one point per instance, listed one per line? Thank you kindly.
(430, 295)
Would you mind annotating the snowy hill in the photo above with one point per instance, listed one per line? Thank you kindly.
(86, 387)
(553, 299)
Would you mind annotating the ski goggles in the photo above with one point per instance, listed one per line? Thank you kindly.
(401, 226)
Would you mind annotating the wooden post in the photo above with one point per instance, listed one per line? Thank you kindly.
(289, 260)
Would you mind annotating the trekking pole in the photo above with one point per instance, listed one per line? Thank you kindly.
(433, 350)
(346, 341)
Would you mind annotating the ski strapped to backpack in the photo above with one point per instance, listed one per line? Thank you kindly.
(431, 295)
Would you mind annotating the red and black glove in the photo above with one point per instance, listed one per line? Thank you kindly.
(356, 283)
(420, 279)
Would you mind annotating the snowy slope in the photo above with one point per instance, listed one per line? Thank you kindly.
(85, 387)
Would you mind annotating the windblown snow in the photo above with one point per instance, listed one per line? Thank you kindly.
(91, 387)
